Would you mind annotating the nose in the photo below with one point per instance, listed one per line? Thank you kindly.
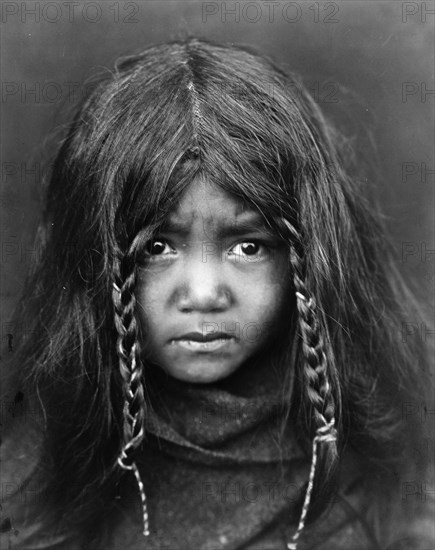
(203, 288)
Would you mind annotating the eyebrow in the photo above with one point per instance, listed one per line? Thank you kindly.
(251, 222)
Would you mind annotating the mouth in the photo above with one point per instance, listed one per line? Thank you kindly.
(196, 341)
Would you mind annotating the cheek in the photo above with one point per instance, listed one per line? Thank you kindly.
(277, 284)
(149, 305)
(273, 303)
(268, 306)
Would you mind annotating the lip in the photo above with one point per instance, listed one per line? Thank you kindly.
(201, 337)
(205, 343)
(207, 347)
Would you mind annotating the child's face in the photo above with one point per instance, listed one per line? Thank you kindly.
(213, 288)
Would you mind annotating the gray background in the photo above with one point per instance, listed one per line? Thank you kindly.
(358, 58)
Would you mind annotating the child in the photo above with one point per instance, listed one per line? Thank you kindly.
(214, 358)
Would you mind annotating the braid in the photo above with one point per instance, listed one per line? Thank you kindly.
(315, 365)
(315, 373)
(130, 367)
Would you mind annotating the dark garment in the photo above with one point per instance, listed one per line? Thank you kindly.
(219, 474)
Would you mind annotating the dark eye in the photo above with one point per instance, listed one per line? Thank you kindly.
(158, 248)
(246, 249)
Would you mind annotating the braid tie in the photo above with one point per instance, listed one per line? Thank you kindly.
(325, 434)
(130, 368)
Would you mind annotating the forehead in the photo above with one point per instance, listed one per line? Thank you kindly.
(206, 202)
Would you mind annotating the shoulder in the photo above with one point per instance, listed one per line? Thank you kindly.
(375, 509)
(21, 482)
(23, 477)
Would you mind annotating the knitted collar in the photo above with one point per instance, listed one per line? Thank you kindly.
(217, 467)
(237, 420)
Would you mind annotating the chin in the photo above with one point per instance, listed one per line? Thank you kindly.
(203, 374)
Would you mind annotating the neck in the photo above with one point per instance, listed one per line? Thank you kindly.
(225, 416)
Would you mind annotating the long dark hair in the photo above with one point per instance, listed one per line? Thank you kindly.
(139, 138)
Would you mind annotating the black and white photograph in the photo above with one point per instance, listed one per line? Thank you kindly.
(217, 275)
